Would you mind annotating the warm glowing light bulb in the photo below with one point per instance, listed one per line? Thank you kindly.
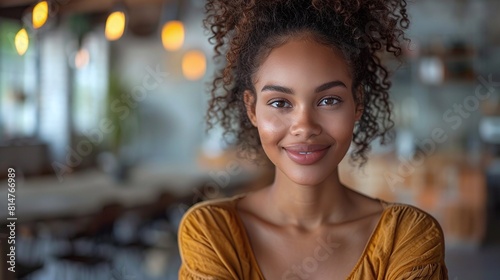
(194, 65)
(172, 35)
(40, 14)
(21, 41)
(115, 26)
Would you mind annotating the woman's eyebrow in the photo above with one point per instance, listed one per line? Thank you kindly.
(321, 88)
(330, 85)
(277, 88)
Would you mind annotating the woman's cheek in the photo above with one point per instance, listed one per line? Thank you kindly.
(271, 126)
(345, 129)
(340, 125)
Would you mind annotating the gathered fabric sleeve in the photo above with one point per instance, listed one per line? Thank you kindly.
(207, 246)
(418, 248)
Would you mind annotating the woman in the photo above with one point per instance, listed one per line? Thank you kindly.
(302, 80)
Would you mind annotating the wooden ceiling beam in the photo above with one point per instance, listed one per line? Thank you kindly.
(82, 6)
(15, 3)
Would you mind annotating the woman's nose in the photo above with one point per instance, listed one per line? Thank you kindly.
(305, 124)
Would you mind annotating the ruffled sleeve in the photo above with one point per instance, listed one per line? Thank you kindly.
(418, 250)
(200, 259)
(428, 271)
(210, 243)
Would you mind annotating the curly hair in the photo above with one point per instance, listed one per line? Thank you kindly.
(245, 31)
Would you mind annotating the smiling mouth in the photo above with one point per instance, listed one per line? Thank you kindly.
(306, 154)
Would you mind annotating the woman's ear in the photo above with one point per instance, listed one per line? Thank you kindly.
(359, 111)
(359, 104)
(249, 99)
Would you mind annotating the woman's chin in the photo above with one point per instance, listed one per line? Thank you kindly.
(307, 180)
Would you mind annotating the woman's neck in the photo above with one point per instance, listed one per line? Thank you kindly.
(308, 207)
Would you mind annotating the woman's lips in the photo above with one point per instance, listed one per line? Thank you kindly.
(306, 154)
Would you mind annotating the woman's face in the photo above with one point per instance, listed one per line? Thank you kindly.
(304, 109)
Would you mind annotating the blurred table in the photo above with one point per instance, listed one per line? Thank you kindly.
(86, 191)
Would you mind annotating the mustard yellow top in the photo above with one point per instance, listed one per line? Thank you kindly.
(407, 243)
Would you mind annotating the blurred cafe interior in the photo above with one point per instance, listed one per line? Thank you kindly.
(102, 107)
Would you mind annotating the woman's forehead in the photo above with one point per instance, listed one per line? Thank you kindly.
(303, 61)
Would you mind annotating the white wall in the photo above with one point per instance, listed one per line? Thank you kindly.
(172, 115)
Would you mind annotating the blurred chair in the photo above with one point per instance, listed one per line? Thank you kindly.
(144, 232)
(28, 250)
(25, 270)
(85, 259)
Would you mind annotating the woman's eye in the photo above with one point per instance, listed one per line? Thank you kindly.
(329, 101)
(280, 104)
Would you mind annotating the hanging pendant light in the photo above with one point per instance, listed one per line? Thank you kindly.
(173, 30)
(194, 64)
(40, 14)
(21, 41)
(115, 25)
(172, 35)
